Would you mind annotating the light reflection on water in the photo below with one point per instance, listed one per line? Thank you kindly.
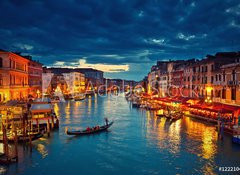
(138, 143)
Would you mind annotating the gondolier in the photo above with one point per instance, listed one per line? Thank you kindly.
(106, 120)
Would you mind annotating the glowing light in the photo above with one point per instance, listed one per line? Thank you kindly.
(209, 89)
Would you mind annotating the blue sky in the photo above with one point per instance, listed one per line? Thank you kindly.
(123, 37)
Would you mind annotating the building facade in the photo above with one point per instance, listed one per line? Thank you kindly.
(35, 71)
(215, 78)
(75, 82)
(14, 78)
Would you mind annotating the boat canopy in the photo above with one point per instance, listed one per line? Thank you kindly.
(42, 100)
(40, 108)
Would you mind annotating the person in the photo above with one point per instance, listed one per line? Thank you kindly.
(106, 120)
(88, 129)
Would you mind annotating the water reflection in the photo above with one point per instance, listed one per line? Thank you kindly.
(139, 142)
(42, 150)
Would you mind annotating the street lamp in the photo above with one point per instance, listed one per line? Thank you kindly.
(208, 100)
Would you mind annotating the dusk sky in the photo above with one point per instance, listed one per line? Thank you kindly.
(122, 37)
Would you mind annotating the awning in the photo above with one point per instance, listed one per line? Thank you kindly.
(41, 108)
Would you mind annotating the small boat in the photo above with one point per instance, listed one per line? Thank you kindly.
(236, 139)
(92, 131)
(175, 117)
(55, 99)
(160, 115)
(168, 116)
(79, 97)
(89, 93)
(136, 105)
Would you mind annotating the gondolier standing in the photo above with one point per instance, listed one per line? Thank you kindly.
(106, 120)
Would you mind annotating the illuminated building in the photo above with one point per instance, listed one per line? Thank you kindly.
(13, 76)
(75, 82)
(35, 72)
(215, 78)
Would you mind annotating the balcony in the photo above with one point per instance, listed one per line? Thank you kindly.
(233, 83)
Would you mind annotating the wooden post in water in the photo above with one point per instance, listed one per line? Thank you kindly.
(16, 144)
(48, 128)
(38, 125)
(52, 121)
(222, 130)
(30, 137)
(5, 141)
(23, 128)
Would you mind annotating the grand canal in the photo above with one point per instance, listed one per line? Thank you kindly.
(137, 143)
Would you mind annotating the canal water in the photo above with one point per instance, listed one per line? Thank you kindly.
(137, 143)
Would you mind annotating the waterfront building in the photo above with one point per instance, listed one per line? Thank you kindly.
(92, 76)
(46, 82)
(152, 80)
(211, 77)
(75, 82)
(214, 79)
(162, 78)
(14, 76)
(35, 72)
(177, 81)
(227, 83)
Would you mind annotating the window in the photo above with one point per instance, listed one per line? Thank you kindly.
(219, 77)
(194, 69)
(224, 76)
(212, 67)
(206, 68)
(233, 75)
(1, 62)
(223, 93)
(233, 93)
(216, 77)
(212, 79)
(1, 80)
(193, 78)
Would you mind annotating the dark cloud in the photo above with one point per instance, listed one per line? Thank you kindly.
(135, 32)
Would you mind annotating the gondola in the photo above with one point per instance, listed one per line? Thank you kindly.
(175, 118)
(160, 115)
(168, 116)
(92, 131)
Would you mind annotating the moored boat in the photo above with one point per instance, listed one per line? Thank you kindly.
(90, 131)
(136, 105)
(175, 117)
(160, 115)
(168, 116)
(80, 97)
(236, 139)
